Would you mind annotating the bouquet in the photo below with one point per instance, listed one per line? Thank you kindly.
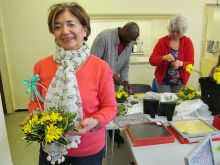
(121, 96)
(187, 93)
(49, 126)
(52, 128)
(216, 75)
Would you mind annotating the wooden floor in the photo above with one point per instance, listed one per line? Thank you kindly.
(23, 154)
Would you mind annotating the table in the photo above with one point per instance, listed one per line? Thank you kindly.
(165, 154)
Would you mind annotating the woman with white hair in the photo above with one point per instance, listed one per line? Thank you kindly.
(171, 55)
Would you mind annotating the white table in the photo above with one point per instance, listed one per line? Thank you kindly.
(165, 154)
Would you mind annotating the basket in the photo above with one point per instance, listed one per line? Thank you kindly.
(210, 94)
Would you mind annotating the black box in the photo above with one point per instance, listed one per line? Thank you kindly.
(210, 94)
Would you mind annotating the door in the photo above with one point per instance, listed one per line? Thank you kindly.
(2, 95)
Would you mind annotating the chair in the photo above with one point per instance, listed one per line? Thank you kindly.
(140, 88)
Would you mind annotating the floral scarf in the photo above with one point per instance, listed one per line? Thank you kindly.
(63, 90)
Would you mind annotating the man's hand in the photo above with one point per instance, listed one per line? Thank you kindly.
(127, 87)
(117, 80)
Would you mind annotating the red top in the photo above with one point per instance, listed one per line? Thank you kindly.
(121, 46)
(186, 54)
(96, 88)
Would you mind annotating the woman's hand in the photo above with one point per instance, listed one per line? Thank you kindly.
(88, 124)
(169, 58)
(23, 122)
(177, 64)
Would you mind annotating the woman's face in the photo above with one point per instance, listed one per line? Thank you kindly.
(68, 31)
(175, 35)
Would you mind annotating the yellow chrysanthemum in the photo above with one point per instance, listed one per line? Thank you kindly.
(216, 77)
(189, 68)
(190, 96)
(34, 119)
(119, 95)
(217, 69)
(180, 93)
(45, 117)
(53, 133)
(125, 94)
(189, 88)
(27, 128)
(54, 117)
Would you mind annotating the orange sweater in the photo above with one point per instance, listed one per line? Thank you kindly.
(97, 94)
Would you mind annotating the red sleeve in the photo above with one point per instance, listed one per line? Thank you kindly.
(188, 53)
(106, 95)
(157, 54)
(35, 104)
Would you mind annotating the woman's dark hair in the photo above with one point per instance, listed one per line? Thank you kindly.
(75, 9)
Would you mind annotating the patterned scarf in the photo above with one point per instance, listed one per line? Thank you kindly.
(63, 91)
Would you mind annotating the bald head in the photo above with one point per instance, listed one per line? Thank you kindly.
(129, 32)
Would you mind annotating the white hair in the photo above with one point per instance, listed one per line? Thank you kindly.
(177, 23)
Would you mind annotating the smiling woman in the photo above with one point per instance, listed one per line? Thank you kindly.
(72, 79)
(68, 27)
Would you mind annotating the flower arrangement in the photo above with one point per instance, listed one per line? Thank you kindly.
(188, 93)
(216, 75)
(121, 96)
(190, 68)
(49, 126)
(52, 128)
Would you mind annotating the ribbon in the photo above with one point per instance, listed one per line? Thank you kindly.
(31, 87)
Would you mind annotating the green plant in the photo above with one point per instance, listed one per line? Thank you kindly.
(122, 110)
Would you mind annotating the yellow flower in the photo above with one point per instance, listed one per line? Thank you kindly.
(180, 93)
(53, 133)
(34, 119)
(216, 77)
(43, 120)
(189, 88)
(119, 95)
(55, 116)
(188, 93)
(125, 94)
(189, 68)
(27, 128)
(190, 96)
(217, 69)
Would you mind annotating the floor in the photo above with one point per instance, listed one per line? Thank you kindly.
(23, 154)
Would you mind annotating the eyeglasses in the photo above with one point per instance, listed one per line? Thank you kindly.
(175, 32)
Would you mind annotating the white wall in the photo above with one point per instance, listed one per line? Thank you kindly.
(5, 156)
(27, 38)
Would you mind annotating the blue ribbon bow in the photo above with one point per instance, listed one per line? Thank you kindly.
(31, 87)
